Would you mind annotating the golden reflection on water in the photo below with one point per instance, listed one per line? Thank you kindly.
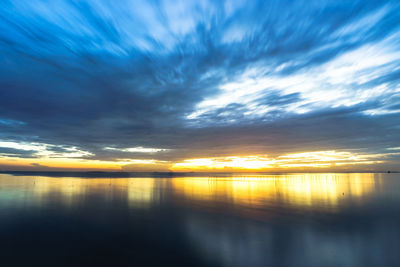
(138, 192)
(307, 190)
(301, 189)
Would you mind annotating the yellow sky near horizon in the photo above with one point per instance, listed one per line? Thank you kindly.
(304, 161)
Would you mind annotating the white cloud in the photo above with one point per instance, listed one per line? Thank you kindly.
(42, 150)
(138, 149)
(339, 82)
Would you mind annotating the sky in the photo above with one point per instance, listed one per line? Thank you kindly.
(155, 85)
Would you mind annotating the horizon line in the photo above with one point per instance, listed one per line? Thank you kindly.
(125, 174)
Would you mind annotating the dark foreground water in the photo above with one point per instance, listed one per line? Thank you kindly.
(278, 220)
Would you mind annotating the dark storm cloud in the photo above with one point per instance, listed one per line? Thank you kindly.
(96, 74)
(18, 153)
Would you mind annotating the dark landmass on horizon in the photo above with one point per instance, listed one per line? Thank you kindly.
(104, 174)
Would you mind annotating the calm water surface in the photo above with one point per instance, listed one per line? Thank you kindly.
(273, 220)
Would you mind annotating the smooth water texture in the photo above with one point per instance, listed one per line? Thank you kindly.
(269, 220)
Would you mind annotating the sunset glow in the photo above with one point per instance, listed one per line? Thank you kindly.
(314, 160)
(319, 159)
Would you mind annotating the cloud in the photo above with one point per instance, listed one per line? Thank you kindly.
(198, 78)
(39, 165)
(137, 149)
(40, 150)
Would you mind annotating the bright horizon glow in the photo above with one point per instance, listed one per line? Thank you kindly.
(315, 160)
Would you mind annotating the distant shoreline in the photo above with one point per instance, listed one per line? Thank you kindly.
(104, 174)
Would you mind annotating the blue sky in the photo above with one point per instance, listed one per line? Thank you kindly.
(166, 81)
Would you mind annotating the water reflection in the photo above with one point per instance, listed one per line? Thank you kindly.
(138, 192)
(269, 220)
(325, 191)
(314, 190)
